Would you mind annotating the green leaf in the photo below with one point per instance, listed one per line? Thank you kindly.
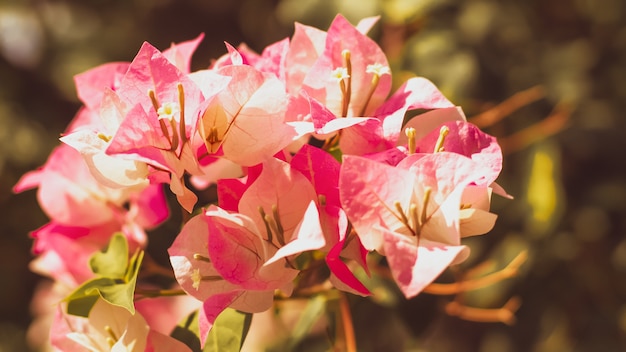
(117, 287)
(85, 296)
(81, 306)
(229, 331)
(113, 261)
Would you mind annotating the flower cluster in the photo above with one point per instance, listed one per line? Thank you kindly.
(314, 163)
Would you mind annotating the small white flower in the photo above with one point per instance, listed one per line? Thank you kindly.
(378, 69)
(168, 111)
(339, 74)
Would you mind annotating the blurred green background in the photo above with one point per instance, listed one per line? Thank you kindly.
(564, 149)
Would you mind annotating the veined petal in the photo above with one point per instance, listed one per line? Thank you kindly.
(415, 267)
(307, 236)
(368, 191)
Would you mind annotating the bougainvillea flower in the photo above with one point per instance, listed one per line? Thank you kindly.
(79, 206)
(458, 136)
(283, 196)
(109, 328)
(457, 173)
(251, 252)
(95, 88)
(93, 140)
(395, 222)
(381, 131)
(69, 194)
(308, 44)
(94, 124)
(247, 119)
(347, 48)
(162, 118)
(219, 258)
(350, 78)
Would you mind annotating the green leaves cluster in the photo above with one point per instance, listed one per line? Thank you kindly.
(116, 277)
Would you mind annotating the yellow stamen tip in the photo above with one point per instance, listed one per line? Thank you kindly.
(443, 132)
(412, 144)
(104, 137)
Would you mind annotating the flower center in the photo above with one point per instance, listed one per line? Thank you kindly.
(416, 217)
(175, 132)
(273, 226)
(343, 75)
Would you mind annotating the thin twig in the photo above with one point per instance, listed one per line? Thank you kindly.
(472, 284)
(547, 127)
(507, 107)
(505, 315)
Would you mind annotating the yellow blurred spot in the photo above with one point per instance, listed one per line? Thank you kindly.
(544, 189)
(541, 191)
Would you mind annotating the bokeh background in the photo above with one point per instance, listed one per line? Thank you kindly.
(563, 136)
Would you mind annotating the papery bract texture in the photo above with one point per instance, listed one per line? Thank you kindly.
(109, 328)
(404, 211)
(247, 119)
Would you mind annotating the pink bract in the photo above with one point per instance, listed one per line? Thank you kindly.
(378, 199)
(247, 119)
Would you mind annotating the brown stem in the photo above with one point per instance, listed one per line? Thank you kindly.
(348, 326)
(472, 284)
(549, 126)
(507, 107)
(505, 315)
